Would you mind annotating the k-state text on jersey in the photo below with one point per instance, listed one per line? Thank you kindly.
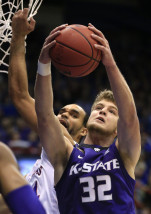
(88, 167)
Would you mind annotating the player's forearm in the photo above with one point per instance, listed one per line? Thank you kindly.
(45, 116)
(122, 93)
(18, 83)
(17, 75)
(43, 97)
(18, 46)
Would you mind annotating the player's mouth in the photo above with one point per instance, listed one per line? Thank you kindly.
(64, 122)
(101, 119)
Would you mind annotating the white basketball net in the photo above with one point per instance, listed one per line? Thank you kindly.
(7, 10)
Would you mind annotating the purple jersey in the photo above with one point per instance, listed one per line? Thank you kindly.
(95, 181)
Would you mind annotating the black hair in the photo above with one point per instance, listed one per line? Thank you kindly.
(85, 120)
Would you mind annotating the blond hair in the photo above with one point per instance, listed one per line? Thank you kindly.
(104, 95)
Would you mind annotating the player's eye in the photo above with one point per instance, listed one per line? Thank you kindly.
(112, 112)
(74, 115)
(98, 107)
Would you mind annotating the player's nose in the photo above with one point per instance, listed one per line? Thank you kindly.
(65, 115)
(103, 112)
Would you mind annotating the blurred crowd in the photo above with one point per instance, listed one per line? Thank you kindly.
(132, 52)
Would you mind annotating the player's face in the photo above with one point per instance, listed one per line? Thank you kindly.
(103, 118)
(71, 117)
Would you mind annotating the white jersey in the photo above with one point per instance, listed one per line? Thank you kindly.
(41, 178)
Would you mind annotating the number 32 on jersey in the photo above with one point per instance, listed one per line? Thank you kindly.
(90, 189)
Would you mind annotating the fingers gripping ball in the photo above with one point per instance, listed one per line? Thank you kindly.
(74, 53)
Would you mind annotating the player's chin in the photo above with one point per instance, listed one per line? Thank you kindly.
(95, 127)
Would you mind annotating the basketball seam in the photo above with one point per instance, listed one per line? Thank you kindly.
(89, 44)
(84, 37)
(71, 65)
(82, 74)
(78, 50)
(91, 58)
(87, 69)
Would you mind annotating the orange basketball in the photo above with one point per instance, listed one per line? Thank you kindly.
(74, 54)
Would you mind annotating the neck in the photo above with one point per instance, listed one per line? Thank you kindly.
(93, 138)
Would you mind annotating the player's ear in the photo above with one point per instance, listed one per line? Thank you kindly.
(83, 132)
(115, 132)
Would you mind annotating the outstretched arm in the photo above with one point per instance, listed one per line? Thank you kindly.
(129, 143)
(57, 147)
(17, 74)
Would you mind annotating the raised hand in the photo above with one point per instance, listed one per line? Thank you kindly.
(21, 27)
(103, 45)
(49, 43)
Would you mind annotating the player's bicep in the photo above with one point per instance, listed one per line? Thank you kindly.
(129, 141)
(53, 140)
